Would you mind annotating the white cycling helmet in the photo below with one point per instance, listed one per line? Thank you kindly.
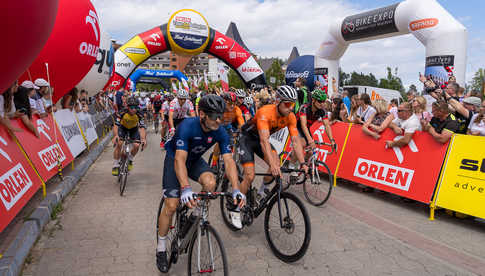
(240, 93)
(248, 101)
(182, 94)
(286, 93)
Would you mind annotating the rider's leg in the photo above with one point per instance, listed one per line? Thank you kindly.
(248, 177)
(208, 181)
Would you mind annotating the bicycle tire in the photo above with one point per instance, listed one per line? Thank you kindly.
(124, 178)
(171, 235)
(312, 183)
(285, 198)
(208, 232)
(223, 205)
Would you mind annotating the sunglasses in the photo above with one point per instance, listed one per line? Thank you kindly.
(133, 107)
(215, 116)
(289, 104)
(320, 101)
(400, 110)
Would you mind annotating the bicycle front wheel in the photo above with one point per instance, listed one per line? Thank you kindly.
(123, 176)
(288, 241)
(318, 185)
(206, 253)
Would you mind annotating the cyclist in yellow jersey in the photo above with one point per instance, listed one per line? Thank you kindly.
(129, 124)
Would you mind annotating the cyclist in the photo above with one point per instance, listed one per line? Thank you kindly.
(143, 105)
(184, 159)
(231, 120)
(249, 103)
(241, 95)
(303, 95)
(164, 116)
(129, 123)
(255, 137)
(180, 108)
(157, 102)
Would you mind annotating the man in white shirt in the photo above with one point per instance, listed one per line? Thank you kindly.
(406, 124)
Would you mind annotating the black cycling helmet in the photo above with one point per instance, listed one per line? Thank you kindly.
(212, 104)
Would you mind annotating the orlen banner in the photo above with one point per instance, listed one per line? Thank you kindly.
(70, 131)
(44, 151)
(186, 33)
(18, 180)
(411, 171)
(462, 183)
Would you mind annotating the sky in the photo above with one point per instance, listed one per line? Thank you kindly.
(272, 28)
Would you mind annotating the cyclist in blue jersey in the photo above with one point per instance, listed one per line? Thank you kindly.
(183, 160)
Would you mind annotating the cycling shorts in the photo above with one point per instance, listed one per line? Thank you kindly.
(171, 185)
(132, 134)
(248, 146)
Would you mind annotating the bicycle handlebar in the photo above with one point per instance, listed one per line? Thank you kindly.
(211, 195)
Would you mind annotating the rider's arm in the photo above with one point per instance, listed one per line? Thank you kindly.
(294, 138)
(239, 117)
(328, 130)
(170, 119)
(304, 126)
(266, 146)
(191, 110)
(181, 168)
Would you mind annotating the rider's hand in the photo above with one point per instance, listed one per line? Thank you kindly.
(143, 143)
(275, 170)
(304, 167)
(235, 194)
(187, 197)
(312, 145)
(171, 132)
(115, 139)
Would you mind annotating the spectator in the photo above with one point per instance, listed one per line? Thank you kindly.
(346, 100)
(475, 93)
(407, 123)
(83, 99)
(377, 119)
(7, 108)
(22, 105)
(365, 110)
(335, 114)
(35, 108)
(461, 94)
(411, 95)
(343, 115)
(393, 107)
(463, 111)
(419, 108)
(477, 124)
(452, 90)
(354, 106)
(71, 101)
(46, 97)
(302, 93)
(443, 124)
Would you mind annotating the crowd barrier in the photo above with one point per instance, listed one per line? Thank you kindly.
(29, 162)
(413, 171)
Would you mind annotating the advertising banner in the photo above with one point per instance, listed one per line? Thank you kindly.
(70, 131)
(411, 171)
(87, 126)
(301, 67)
(439, 68)
(44, 151)
(18, 180)
(368, 24)
(188, 32)
(462, 184)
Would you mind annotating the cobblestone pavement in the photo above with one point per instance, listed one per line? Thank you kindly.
(100, 233)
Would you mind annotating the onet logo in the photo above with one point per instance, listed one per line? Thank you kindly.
(2, 152)
(41, 127)
(397, 150)
(92, 19)
(221, 40)
(155, 37)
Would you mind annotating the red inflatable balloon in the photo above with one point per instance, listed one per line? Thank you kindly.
(28, 25)
(71, 49)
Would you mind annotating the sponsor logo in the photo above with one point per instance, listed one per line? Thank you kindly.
(13, 185)
(234, 55)
(41, 128)
(473, 165)
(397, 150)
(423, 24)
(88, 49)
(389, 175)
(251, 70)
(294, 75)
(115, 83)
(447, 60)
(154, 43)
(4, 153)
(123, 64)
(155, 37)
(209, 139)
(182, 22)
(132, 50)
(85, 124)
(92, 19)
(221, 47)
(188, 38)
(51, 155)
(198, 149)
(221, 40)
(180, 143)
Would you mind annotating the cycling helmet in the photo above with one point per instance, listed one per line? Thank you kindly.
(132, 102)
(240, 93)
(230, 97)
(319, 95)
(286, 93)
(212, 104)
(248, 101)
(182, 94)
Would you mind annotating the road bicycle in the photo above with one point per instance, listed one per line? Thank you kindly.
(193, 233)
(123, 170)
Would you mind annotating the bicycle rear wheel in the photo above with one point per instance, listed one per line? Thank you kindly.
(207, 253)
(123, 175)
(224, 205)
(171, 236)
(289, 242)
(318, 185)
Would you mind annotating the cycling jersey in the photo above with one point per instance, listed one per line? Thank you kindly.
(142, 103)
(128, 121)
(165, 107)
(234, 116)
(191, 138)
(268, 117)
(306, 110)
(181, 112)
(244, 109)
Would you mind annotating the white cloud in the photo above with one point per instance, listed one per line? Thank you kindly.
(272, 28)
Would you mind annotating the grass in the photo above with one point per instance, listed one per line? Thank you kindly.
(55, 212)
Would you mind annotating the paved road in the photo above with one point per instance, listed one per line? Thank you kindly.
(100, 233)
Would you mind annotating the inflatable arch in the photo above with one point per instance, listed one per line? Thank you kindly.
(444, 38)
(140, 73)
(186, 33)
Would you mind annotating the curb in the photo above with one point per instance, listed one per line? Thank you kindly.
(14, 257)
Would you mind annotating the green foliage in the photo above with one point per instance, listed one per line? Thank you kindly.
(360, 79)
(477, 83)
(276, 72)
(234, 80)
(392, 81)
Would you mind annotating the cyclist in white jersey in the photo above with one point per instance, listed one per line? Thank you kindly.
(164, 115)
(180, 108)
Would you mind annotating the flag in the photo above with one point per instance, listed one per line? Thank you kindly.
(174, 88)
(206, 83)
(185, 84)
(222, 72)
(180, 85)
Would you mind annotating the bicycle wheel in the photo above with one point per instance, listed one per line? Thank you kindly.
(318, 185)
(156, 125)
(290, 242)
(207, 253)
(224, 204)
(123, 175)
(171, 236)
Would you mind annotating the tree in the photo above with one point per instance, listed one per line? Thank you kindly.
(276, 72)
(234, 80)
(392, 81)
(478, 81)
(361, 79)
(344, 78)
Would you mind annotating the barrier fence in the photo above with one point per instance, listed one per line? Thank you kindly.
(28, 162)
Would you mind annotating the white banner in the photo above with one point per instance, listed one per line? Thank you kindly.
(278, 139)
(70, 131)
(87, 126)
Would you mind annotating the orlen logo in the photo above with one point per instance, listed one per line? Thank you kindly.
(392, 176)
(251, 69)
(51, 155)
(423, 24)
(322, 153)
(13, 185)
(155, 38)
(88, 48)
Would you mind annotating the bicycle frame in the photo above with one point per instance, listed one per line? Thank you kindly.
(276, 191)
